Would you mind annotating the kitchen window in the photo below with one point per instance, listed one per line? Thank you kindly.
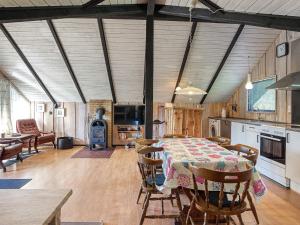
(261, 99)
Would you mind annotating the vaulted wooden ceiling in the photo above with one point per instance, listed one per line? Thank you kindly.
(125, 41)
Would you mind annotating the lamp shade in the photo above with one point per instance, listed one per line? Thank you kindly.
(190, 90)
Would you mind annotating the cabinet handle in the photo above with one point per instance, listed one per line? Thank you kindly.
(287, 137)
(243, 128)
(257, 138)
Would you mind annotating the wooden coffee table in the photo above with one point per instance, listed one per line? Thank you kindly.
(32, 206)
(9, 139)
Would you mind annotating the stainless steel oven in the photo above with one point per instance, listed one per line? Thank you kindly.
(273, 147)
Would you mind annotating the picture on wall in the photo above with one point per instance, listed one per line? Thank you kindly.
(60, 112)
(40, 108)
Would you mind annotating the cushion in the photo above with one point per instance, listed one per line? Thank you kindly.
(214, 199)
(159, 179)
(27, 126)
(46, 138)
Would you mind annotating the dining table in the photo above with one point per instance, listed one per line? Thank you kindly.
(179, 153)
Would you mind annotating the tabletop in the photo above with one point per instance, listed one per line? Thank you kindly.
(20, 137)
(30, 206)
(180, 152)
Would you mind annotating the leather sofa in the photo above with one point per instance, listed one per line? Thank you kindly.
(8, 151)
(29, 126)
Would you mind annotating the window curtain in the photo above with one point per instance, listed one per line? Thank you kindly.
(5, 107)
(20, 107)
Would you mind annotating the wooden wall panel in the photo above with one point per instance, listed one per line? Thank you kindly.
(80, 123)
(268, 66)
(70, 119)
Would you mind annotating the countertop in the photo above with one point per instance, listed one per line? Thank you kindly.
(292, 127)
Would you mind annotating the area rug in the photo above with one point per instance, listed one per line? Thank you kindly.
(13, 183)
(14, 160)
(82, 223)
(85, 152)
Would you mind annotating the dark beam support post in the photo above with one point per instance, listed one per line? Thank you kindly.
(27, 63)
(66, 60)
(91, 3)
(233, 42)
(185, 56)
(149, 70)
(107, 62)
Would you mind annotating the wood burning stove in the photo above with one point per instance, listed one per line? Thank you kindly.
(98, 131)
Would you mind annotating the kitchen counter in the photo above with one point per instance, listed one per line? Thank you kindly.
(292, 127)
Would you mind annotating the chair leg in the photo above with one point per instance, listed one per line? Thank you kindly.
(217, 219)
(139, 196)
(252, 206)
(179, 206)
(19, 157)
(3, 166)
(189, 212)
(240, 219)
(172, 202)
(227, 220)
(205, 219)
(148, 195)
(54, 145)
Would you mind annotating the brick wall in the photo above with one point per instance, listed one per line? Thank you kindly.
(108, 105)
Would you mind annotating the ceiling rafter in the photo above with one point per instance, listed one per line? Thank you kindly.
(212, 6)
(27, 63)
(106, 57)
(185, 56)
(228, 51)
(91, 3)
(139, 11)
(65, 58)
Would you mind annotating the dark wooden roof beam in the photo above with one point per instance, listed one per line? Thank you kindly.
(65, 58)
(185, 56)
(27, 63)
(139, 11)
(91, 3)
(212, 6)
(106, 57)
(220, 67)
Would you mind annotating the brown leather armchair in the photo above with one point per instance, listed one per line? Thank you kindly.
(9, 149)
(28, 126)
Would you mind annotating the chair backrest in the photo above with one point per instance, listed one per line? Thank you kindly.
(219, 140)
(246, 151)
(27, 126)
(147, 167)
(237, 178)
(174, 136)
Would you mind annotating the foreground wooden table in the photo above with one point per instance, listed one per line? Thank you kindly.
(32, 206)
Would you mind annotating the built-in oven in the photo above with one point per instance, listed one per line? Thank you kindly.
(273, 147)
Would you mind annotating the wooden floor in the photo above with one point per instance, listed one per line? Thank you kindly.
(106, 189)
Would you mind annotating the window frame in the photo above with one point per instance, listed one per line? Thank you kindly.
(262, 111)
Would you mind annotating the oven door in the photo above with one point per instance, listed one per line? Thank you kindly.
(273, 147)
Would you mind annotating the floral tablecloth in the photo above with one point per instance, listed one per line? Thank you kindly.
(179, 153)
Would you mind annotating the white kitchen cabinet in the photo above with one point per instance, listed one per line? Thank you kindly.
(293, 156)
(252, 136)
(238, 133)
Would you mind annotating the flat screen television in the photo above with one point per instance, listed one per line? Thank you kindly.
(129, 114)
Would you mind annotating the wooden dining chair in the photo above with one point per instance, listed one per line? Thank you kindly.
(245, 151)
(252, 155)
(151, 152)
(220, 203)
(152, 179)
(219, 140)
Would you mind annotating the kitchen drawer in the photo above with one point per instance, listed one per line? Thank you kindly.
(253, 128)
